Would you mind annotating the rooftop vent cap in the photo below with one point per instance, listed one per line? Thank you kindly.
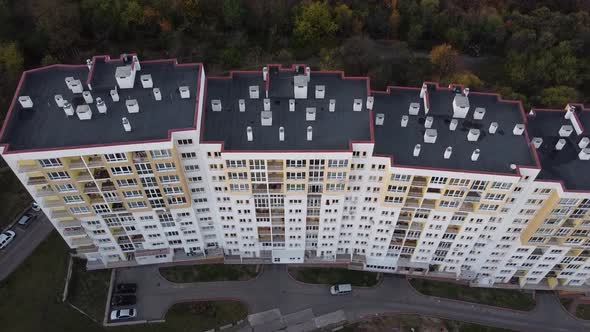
(448, 152)
(101, 105)
(518, 129)
(242, 105)
(584, 154)
(310, 114)
(216, 105)
(84, 112)
(566, 130)
(404, 122)
(320, 91)
(430, 136)
(475, 155)
(132, 106)
(254, 92)
(185, 93)
(25, 101)
(493, 128)
(428, 122)
(76, 86)
(69, 81)
(291, 105)
(115, 95)
(309, 133)
(473, 135)
(479, 113)
(266, 104)
(68, 108)
(300, 86)
(417, 149)
(59, 100)
(379, 119)
(414, 109)
(453, 124)
(537, 142)
(87, 97)
(513, 167)
(332, 106)
(357, 105)
(281, 134)
(370, 102)
(146, 81)
(560, 144)
(157, 94)
(249, 134)
(584, 142)
(460, 106)
(126, 124)
(266, 118)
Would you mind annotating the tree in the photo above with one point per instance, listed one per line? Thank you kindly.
(49, 59)
(11, 61)
(343, 18)
(558, 96)
(467, 79)
(314, 25)
(445, 59)
(232, 13)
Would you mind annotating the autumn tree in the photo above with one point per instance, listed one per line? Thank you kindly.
(445, 59)
(314, 26)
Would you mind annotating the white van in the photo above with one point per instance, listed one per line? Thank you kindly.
(341, 289)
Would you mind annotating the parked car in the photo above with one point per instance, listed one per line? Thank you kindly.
(35, 207)
(123, 300)
(6, 238)
(341, 289)
(25, 220)
(126, 288)
(124, 313)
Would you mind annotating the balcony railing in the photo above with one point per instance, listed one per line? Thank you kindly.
(29, 168)
(76, 164)
(36, 180)
(60, 214)
(45, 192)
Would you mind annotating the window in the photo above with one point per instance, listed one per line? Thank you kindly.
(438, 180)
(186, 141)
(392, 199)
(501, 185)
(121, 170)
(295, 175)
(400, 177)
(126, 182)
(114, 157)
(495, 197)
(295, 187)
(188, 155)
(165, 166)
(66, 187)
(176, 200)
(101, 208)
(149, 182)
(239, 187)
(58, 175)
(489, 207)
(454, 193)
(337, 163)
(336, 175)
(448, 204)
(235, 163)
(479, 185)
(153, 193)
(258, 176)
(169, 178)
(157, 203)
(73, 199)
(52, 162)
(257, 164)
(173, 190)
(136, 205)
(79, 209)
(160, 154)
(397, 189)
(191, 168)
(143, 168)
(335, 186)
(296, 163)
(237, 175)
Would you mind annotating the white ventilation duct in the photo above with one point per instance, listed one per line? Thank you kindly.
(101, 105)
(68, 108)
(332, 106)
(157, 94)
(254, 92)
(249, 134)
(448, 152)
(584, 142)
(560, 144)
(428, 122)
(242, 105)
(430, 136)
(320, 91)
(132, 105)
(126, 124)
(473, 135)
(146, 81)
(357, 105)
(475, 155)
(379, 119)
(423, 90)
(125, 76)
(25, 101)
(584, 154)
(417, 149)
(300, 87)
(216, 105)
(414, 109)
(84, 112)
(370, 101)
(266, 118)
(264, 73)
(479, 113)
(460, 106)
(493, 128)
(453, 124)
(404, 122)
(309, 133)
(566, 130)
(291, 105)
(310, 114)
(266, 104)
(308, 73)
(537, 142)
(59, 100)
(281, 134)
(115, 95)
(568, 113)
(87, 97)
(518, 129)
(185, 93)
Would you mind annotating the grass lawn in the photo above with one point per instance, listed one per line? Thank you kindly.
(88, 289)
(31, 300)
(209, 272)
(13, 196)
(512, 299)
(321, 275)
(583, 311)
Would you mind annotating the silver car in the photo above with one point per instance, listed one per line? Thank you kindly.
(6, 238)
(125, 313)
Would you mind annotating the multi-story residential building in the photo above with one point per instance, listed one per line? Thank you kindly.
(150, 162)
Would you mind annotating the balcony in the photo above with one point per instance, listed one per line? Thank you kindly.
(95, 162)
(419, 181)
(412, 203)
(100, 174)
(275, 165)
(467, 207)
(53, 203)
(87, 249)
(45, 192)
(69, 223)
(35, 180)
(108, 186)
(82, 242)
(76, 164)
(74, 232)
(60, 214)
(472, 196)
(404, 217)
(140, 157)
(90, 188)
(29, 168)
(83, 177)
(275, 178)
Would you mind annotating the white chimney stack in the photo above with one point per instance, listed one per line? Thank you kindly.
(518, 129)
(560, 144)
(473, 135)
(254, 92)
(265, 73)
(370, 101)
(146, 81)
(308, 73)
(584, 142)
(357, 105)
(414, 109)
(249, 134)
(428, 122)
(310, 114)
(430, 136)
(453, 124)
(460, 106)
(126, 124)
(493, 128)
(132, 105)
(25, 101)
(466, 92)
(101, 105)
(405, 119)
(84, 112)
(266, 103)
(125, 76)
(89, 64)
(68, 108)
(309, 133)
(216, 105)
(479, 113)
(475, 155)
(537, 142)
(332, 105)
(320, 91)
(185, 93)
(281, 134)
(423, 90)
(59, 100)
(266, 118)
(291, 105)
(242, 105)
(379, 119)
(417, 149)
(87, 97)
(157, 94)
(448, 152)
(115, 95)
(566, 130)
(300, 87)
(584, 154)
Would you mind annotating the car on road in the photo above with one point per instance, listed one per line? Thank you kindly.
(35, 207)
(126, 288)
(123, 300)
(124, 313)
(26, 220)
(6, 238)
(341, 289)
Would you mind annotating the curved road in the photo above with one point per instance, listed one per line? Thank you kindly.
(274, 288)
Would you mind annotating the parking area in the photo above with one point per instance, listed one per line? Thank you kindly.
(128, 292)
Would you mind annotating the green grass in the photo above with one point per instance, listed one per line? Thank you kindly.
(31, 300)
(209, 272)
(13, 197)
(583, 311)
(320, 275)
(512, 299)
(89, 289)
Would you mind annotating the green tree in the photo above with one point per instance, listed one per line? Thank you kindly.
(49, 59)
(445, 59)
(343, 18)
(314, 26)
(232, 13)
(11, 61)
(558, 96)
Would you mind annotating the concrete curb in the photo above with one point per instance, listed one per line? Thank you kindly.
(379, 279)
(109, 294)
(68, 278)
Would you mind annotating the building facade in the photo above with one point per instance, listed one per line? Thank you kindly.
(144, 162)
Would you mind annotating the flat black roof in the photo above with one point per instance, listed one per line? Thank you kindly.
(331, 130)
(497, 151)
(564, 164)
(47, 126)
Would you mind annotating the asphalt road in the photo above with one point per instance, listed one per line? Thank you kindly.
(26, 240)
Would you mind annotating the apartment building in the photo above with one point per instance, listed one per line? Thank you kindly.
(143, 162)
